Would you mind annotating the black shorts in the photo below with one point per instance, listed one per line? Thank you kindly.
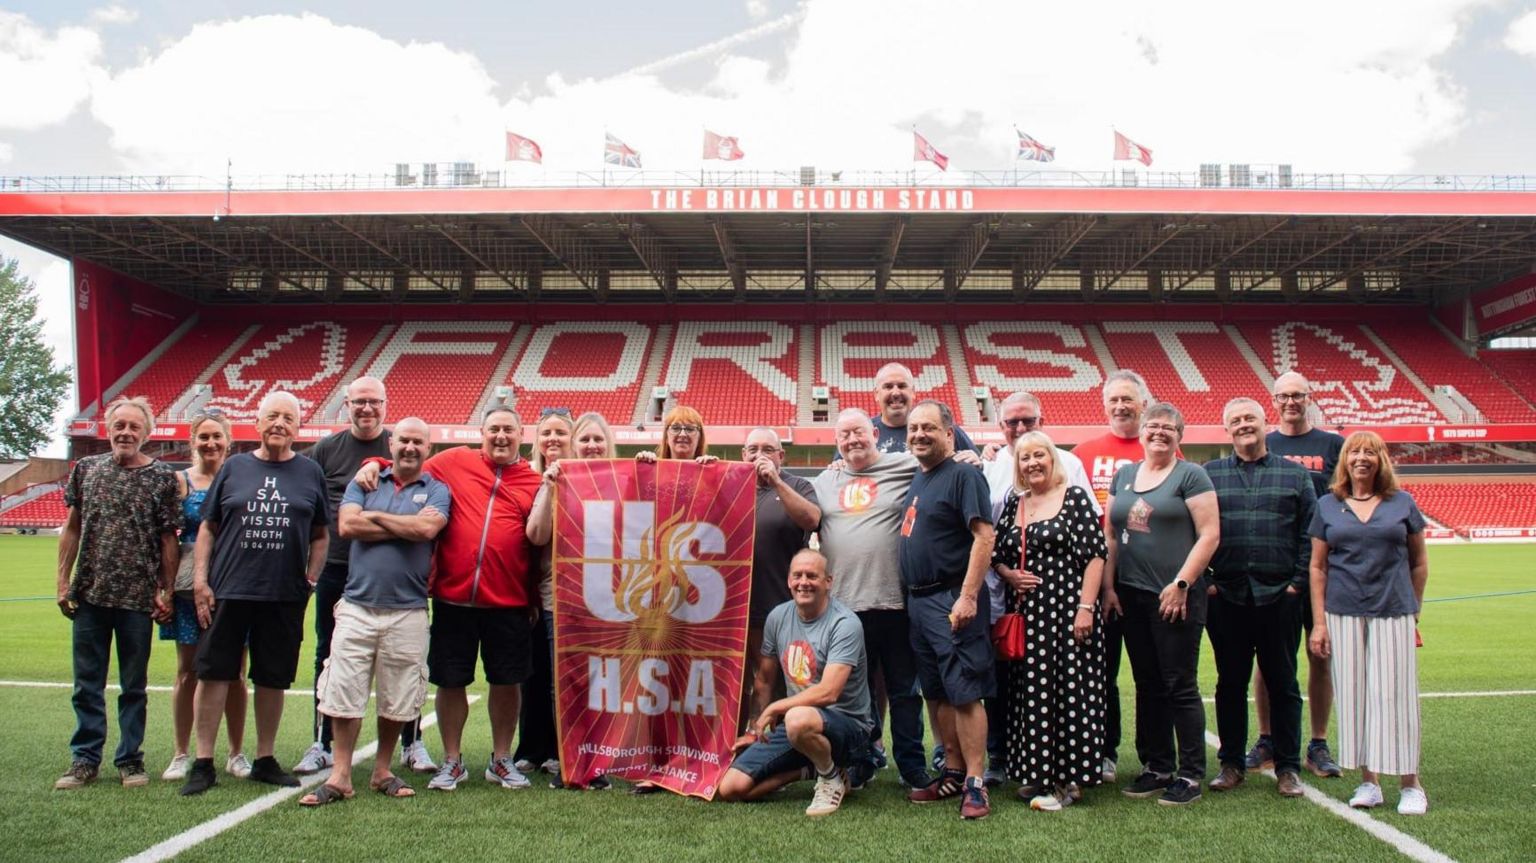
(499, 635)
(953, 666)
(273, 631)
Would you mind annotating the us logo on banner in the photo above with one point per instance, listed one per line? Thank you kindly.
(652, 577)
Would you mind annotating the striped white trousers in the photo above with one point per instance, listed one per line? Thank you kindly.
(1376, 692)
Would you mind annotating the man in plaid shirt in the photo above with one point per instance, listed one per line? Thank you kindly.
(1258, 586)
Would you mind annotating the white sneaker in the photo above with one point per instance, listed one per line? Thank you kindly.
(1367, 796)
(315, 760)
(523, 765)
(448, 776)
(177, 771)
(503, 771)
(1108, 773)
(550, 765)
(830, 791)
(1413, 801)
(417, 759)
(238, 766)
(1056, 801)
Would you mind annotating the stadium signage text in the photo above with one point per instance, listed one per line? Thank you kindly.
(813, 199)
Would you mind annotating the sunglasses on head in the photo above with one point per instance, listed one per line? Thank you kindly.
(554, 412)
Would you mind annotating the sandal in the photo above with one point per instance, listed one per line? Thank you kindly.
(393, 786)
(324, 796)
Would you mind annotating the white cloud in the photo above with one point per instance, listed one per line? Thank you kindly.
(1521, 36)
(757, 10)
(297, 94)
(43, 75)
(114, 14)
(7, 152)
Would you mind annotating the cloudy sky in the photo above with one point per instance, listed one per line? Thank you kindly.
(1409, 86)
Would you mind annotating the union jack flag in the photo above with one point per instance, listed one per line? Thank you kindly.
(1034, 151)
(616, 152)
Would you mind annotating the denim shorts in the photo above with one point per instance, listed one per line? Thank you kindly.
(773, 755)
(953, 666)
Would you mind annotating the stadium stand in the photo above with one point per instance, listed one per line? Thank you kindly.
(1463, 505)
(308, 360)
(735, 372)
(849, 353)
(1052, 359)
(47, 511)
(1352, 380)
(1437, 362)
(1517, 369)
(438, 370)
(584, 366)
(1163, 352)
(169, 377)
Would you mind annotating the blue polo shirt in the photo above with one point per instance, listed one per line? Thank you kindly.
(393, 573)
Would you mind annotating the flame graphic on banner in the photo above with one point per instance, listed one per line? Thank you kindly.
(653, 588)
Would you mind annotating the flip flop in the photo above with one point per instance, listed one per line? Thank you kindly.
(394, 786)
(324, 796)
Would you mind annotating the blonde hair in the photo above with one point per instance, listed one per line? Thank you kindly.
(687, 416)
(593, 418)
(1386, 477)
(537, 461)
(1036, 438)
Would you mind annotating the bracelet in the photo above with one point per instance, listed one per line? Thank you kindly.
(1085, 607)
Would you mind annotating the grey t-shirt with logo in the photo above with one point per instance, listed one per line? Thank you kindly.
(861, 512)
(804, 649)
(1154, 527)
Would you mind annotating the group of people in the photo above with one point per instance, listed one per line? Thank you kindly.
(923, 544)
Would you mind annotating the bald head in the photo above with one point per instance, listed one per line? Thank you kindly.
(409, 447)
(277, 422)
(1292, 395)
(365, 407)
(894, 393)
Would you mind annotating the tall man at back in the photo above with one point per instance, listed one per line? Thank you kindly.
(946, 549)
(339, 456)
(1125, 397)
(895, 393)
(1297, 440)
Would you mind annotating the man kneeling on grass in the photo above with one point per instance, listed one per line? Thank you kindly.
(381, 618)
(822, 725)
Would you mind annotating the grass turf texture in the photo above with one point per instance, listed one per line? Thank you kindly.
(1474, 769)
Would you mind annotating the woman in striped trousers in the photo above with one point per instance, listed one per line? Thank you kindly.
(1368, 573)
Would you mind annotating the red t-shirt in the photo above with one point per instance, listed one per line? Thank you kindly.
(475, 563)
(1101, 457)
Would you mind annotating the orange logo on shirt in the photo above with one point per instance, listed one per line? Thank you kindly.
(1140, 516)
(858, 495)
(908, 519)
(799, 662)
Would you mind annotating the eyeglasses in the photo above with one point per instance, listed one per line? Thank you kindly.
(1159, 427)
(1291, 397)
(676, 428)
(1022, 421)
(366, 403)
(555, 412)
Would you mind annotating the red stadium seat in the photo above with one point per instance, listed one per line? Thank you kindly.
(1463, 505)
(1438, 362)
(1352, 380)
(47, 511)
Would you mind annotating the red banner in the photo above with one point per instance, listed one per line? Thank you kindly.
(652, 574)
(1507, 306)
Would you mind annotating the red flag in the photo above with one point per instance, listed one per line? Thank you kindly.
(721, 147)
(520, 149)
(1126, 149)
(652, 580)
(922, 150)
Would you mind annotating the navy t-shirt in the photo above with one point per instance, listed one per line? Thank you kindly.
(265, 511)
(1317, 451)
(894, 438)
(936, 529)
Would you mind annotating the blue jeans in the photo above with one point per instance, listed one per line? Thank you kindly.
(94, 629)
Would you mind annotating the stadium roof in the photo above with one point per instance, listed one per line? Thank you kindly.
(749, 237)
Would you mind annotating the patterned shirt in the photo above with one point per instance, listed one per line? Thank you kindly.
(1266, 507)
(123, 514)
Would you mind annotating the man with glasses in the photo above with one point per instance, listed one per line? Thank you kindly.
(339, 456)
(1019, 413)
(1298, 440)
(786, 513)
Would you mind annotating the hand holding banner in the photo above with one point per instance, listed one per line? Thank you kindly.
(652, 577)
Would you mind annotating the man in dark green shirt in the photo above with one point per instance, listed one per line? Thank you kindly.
(1258, 586)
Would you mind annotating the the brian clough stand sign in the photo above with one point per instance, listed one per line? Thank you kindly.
(652, 575)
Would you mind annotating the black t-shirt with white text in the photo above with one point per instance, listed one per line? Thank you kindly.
(265, 511)
(340, 455)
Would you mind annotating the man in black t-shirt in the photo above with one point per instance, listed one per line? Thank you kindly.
(895, 391)
(1297, 440)
(946, 550)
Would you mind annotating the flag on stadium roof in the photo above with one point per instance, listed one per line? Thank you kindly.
(1033, 151)
(922, 150)
(616, 152)
(722, 147)
(1126, 149)
(520, 149)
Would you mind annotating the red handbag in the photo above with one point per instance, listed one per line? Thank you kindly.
(1008, 637)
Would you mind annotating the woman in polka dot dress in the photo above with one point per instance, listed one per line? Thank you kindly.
(1050, 551)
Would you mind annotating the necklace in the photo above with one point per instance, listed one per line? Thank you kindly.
(1371, 496)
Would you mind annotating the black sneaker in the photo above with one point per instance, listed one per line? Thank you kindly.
(266, 769)
(1261, 756)
(860, 773)
(200, 777)
(1320, 760)
(1148, 784)
(1181, 793)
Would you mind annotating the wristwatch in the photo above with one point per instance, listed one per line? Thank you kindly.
(1183, 585)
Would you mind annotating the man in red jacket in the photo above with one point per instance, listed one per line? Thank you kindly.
(481, 588)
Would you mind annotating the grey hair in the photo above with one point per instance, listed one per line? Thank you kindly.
(1164, 410)
(138, 402)
(1239, 400)
(1022, 397)
(1128, 375)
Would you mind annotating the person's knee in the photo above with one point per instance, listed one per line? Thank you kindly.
(735, 786)
(801, 722)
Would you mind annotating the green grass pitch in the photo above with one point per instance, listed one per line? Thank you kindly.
(1480, 636)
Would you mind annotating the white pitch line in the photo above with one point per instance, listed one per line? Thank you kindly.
(1486, 693)
(208, 829)
(49, 684)
(1404, 844)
